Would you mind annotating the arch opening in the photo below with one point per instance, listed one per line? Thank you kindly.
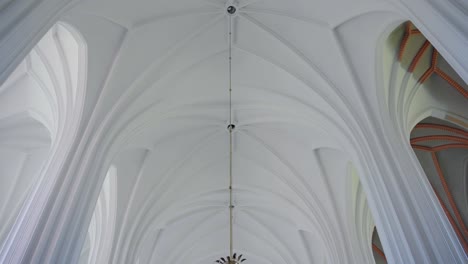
(427, 102)
(40, 102)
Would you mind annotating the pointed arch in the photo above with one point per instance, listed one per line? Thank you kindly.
(421, 91)
(40, 109)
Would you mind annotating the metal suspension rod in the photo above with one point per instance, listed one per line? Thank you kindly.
(230, 70)
(233, 258)
(231, 206)
(231, 127)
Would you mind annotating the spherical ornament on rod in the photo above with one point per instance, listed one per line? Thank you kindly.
(231, 10)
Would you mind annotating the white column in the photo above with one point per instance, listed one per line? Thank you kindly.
(411, 223)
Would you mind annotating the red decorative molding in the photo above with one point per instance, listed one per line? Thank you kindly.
(439, 137)
(443, 128)
(449, 194)
(418, 56)
(409, 31)
(461, 137)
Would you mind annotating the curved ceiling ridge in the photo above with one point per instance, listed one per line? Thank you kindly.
(253, 233)
(180, 13)
(141, 214)
(195, 206)
(315, 205)
(296, 76)
(289, 46)
(282, 244)
(202, 222)
(272, 12)
(159, 64)
(302, 79)
(146, 118)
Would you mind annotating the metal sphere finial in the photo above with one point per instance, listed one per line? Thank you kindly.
(231, 10)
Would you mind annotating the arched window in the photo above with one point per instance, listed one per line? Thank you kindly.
(361, 218)
(98, 244)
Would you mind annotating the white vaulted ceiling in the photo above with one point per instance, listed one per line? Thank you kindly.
(165, 92)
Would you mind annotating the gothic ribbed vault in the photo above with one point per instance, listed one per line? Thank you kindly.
(130, 122)
(292, 147)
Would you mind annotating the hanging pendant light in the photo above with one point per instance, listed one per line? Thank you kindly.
(233, 258)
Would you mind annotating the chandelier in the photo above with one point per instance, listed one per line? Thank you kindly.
(233, 258)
